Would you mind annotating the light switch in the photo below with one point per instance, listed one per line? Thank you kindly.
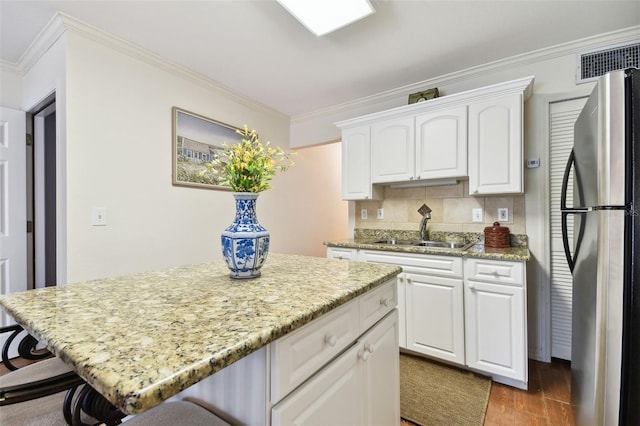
(99, 216)
(380, 213)
(363, 214)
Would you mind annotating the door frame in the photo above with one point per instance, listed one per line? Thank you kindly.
(60, 186)
(538, 218)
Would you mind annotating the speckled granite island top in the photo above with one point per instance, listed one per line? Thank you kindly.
(139, 339)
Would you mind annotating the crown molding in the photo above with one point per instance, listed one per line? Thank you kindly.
(46, 38)
(521, 85)
(61, 23)
(622, 36)
(9, 67)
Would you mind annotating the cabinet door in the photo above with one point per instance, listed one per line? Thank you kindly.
(392, 150)
(495, 146)
(381, 362)
(441, 144)
(495, 329)
(356, 164)
(332, 397)
(435, 317)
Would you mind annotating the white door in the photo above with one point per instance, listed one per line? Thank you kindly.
(441, 144)
(356, 164)
(332, 397)
(495, 146)
(392, 151)
(435, 317)
(381, 360)
(13, 204)
(495, 329)
(562, 117)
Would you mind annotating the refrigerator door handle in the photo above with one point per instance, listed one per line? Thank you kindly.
(565, 241)
(565, 183)
(566, 211)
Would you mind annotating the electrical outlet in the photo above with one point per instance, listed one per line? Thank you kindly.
(380, 213)
(476, 215)
(503, 214)
(99, 216)
(363, 214)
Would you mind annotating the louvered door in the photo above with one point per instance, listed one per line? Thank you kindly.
(562, 117)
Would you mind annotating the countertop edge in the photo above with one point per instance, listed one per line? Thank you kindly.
(137, 402)
(477, 251)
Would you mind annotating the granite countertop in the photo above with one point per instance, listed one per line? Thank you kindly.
(142, 338)
(366, 239)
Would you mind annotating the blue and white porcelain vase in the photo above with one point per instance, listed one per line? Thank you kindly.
(245, 243)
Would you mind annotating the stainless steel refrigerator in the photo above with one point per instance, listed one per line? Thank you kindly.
(605, 340)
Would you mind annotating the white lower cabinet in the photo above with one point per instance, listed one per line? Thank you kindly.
(333, 397)
(435, 316)
(360, 387)
(430, 302)
(495, 318)
(495, 337)
(465, 311)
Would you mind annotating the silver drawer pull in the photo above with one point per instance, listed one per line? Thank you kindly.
(363, 355)
(331, 340)
(384, 302)
(369, 348)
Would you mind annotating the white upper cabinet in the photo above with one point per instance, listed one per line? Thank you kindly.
(356, 164)
(441, 144)
(476, 134)
(495, 146)
(392, 150)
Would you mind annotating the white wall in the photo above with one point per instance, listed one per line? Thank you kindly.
(119, 157)
(10, 87)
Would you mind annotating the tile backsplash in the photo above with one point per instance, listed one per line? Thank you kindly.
(451, 207)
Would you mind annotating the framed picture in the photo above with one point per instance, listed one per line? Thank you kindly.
(424, 95)
(196, 141)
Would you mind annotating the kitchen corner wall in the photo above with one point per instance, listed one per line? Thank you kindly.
(114, 145)
(451, 209)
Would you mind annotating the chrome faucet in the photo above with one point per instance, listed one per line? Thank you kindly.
(425, 211)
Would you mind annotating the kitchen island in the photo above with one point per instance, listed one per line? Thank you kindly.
(142, 338)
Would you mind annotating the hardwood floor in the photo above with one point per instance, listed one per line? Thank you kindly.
(547, 402)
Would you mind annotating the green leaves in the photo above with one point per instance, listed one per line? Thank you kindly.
(248, 165)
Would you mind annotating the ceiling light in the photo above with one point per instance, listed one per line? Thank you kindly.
(323, 16)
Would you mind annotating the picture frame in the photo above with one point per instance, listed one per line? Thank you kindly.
(425, 95)
(196, 140)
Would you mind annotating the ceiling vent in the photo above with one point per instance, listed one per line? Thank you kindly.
(594, 63)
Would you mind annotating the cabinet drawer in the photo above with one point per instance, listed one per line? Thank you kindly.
(444, 266)
(333, 396)
(296, 356)
(377, 303)
(495, 271)
(342, 253)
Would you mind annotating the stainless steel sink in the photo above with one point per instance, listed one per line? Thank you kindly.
(429, 244)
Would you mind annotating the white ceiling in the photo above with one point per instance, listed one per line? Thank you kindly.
(260, 51)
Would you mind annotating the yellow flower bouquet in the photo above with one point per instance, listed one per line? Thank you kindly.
(249, 165)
